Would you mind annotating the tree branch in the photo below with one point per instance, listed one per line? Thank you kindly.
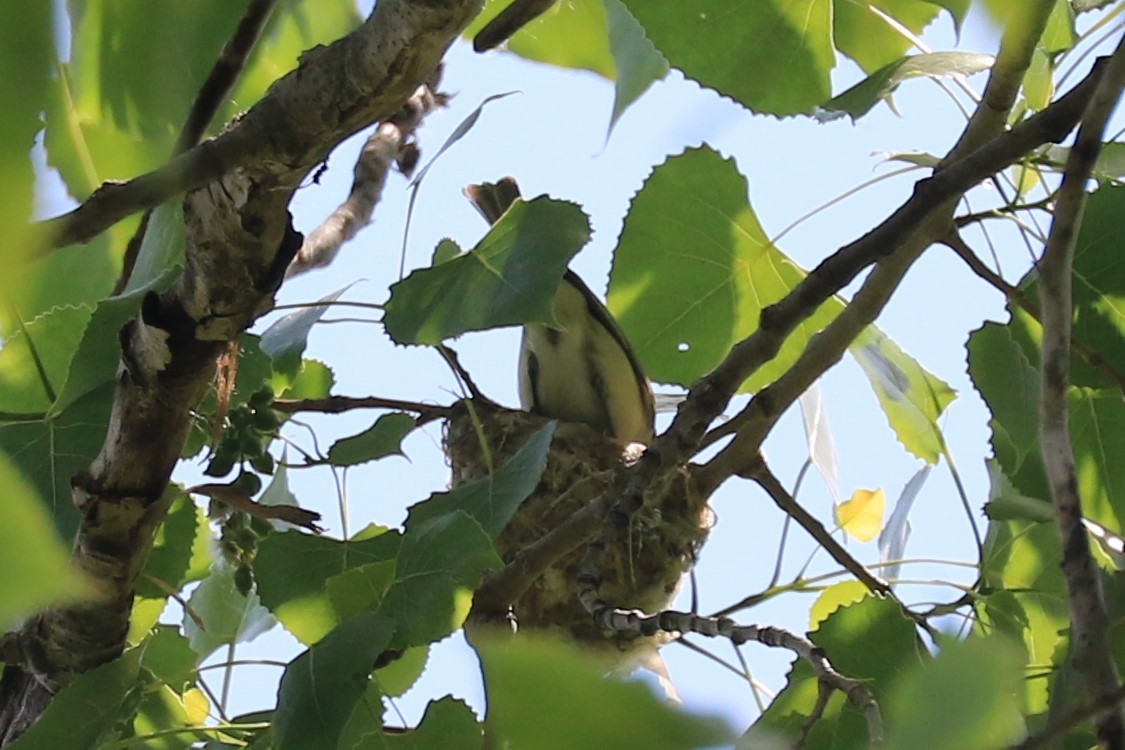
(210, 97)
(1089, 629)
(238, 245)
(391, 143)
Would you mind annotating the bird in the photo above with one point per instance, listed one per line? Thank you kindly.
(586, 371)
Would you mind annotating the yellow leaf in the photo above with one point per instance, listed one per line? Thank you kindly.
(862, 515)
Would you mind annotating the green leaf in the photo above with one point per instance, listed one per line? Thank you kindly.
(48, 451)
(26, 59)
(88, 707)
(977, 680)
(34, 564)
(569, 35)
(361, 589)
(440, 563)
(315, 380)
(912, 398)
(958, 9)
(34, 362)
(860, 98)
(493, 500)
(637, 62)
(162, 250)
(1005, 503)
(285, 340)
(401, 674)
(168, 655)
(292, 570)
(870, 641)
(509, 278)
(447, 723)
(178, 43)
(693, 270)
(743, 49)
(321, 687)
(94, 362)
(1025, 597)
(1098, 291)
(179, 552)
(1009, 385)
(229, 616)
(384, 438)
(861, 32)
(522, 675)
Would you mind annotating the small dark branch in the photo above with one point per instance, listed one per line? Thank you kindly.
(766, 479)
(462, 375)
(1092, 356)
(340, 404)
(669, 621)
(210, 97)
(502, 588)
(224, 73)
(1090, 623)
(510, 20)
(823, 693)
(392, 143)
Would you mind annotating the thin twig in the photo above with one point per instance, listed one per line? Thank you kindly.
(340, 404)
(1092, 356)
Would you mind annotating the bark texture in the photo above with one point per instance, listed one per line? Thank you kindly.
(239, 242)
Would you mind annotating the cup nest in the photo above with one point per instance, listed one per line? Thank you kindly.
(642, 570)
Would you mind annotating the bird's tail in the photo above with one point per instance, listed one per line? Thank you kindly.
(492, 199)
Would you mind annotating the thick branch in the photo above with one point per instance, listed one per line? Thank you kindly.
(1089, 630)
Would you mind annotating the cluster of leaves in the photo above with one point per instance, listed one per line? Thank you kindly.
(367, 608)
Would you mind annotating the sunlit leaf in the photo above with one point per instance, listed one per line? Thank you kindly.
(868, 32)
(912, 398)
(693, 270)
(862, 514)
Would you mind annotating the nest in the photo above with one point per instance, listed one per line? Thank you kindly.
(641, 571)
